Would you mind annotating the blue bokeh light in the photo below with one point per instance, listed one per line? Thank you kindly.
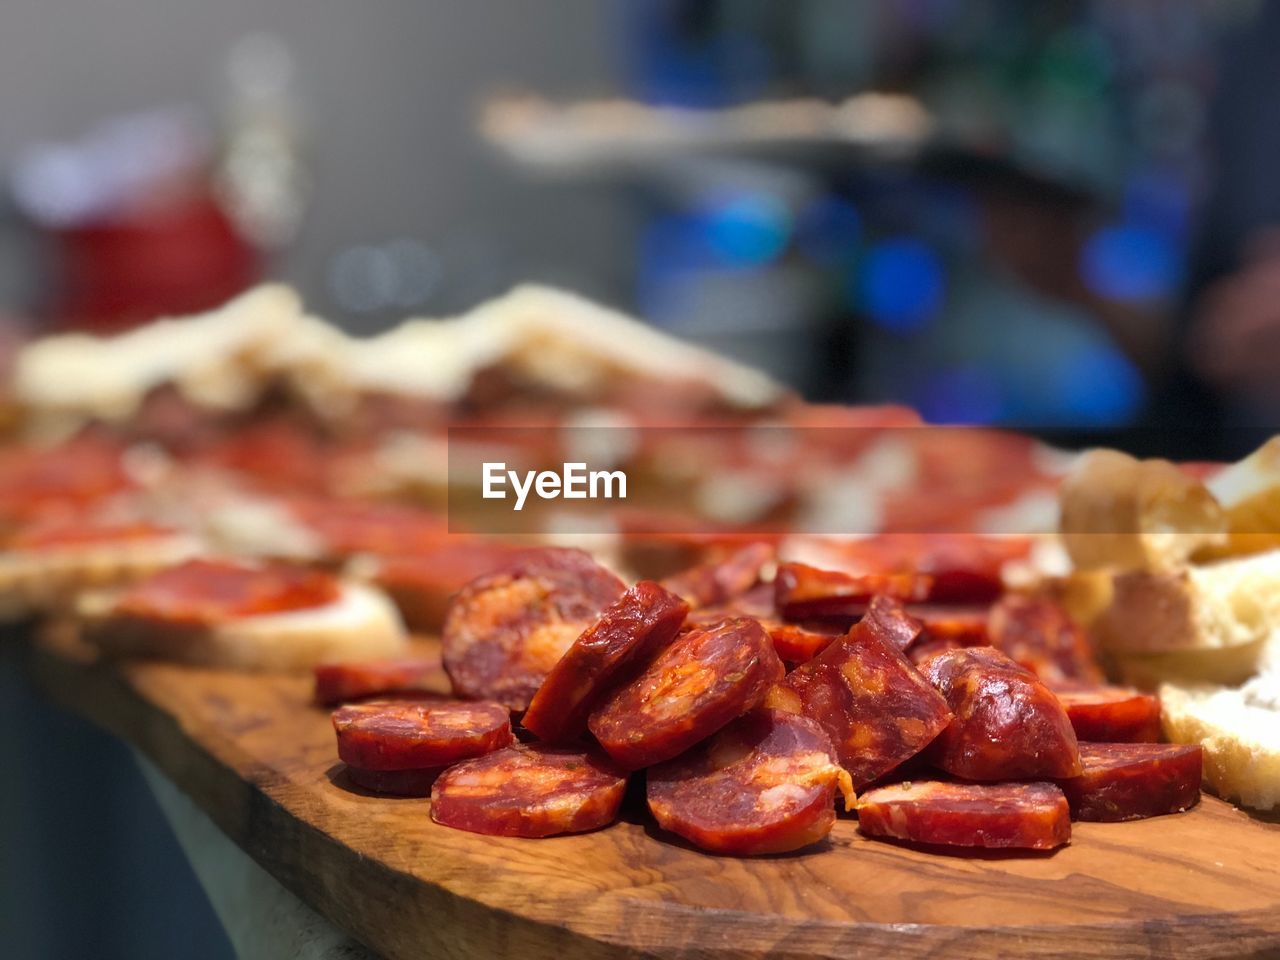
(747, 229)
(901, 285)
(1098, 386)
(1130, 263)
(968, 395)
(829, 231)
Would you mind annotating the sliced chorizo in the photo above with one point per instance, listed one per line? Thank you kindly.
(1130, 781)
(630, 632)
(953, 625)
(422, 583)
(706, 678)
(766, 783)
(1033, 816)
(1112, 714)
(529, 790)
(876, 707)
(720, 581)
(803, 592)
(337, 683)
(1039, 634)
(414, 734)
(797, 644)
(505, 631)
(1007, 725)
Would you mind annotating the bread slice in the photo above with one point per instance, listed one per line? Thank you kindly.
(1119, 513)
(1239, 729)
(360, 624)
(48, 580)
(1225, 604)
(1249, 492)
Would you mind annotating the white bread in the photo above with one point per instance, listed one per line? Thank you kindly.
(47, 580)
(1239, 729)
(1120, 513)
(360, 624)
(215, 359)
(1249, 492)
(1225, 604)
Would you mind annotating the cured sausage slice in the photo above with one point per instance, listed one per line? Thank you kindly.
(1112, 714)
(888, 618)
(706, 678)
(954, 625)
(343, 682)
(413, 734)
(62, 535)
(1040, 635)
(766, 783)
(1129, 781)
(505, 631)
(1007, 724)
(1032, 816)
(630, 632)
(877, 709)
(215, 591)
(806, 593)
(529, 790)
(396, 783)
(720, 581)
(422, 584)
(796, 644)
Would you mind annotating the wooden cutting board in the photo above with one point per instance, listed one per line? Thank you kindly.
(261, 761)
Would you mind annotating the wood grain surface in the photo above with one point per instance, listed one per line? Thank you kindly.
(261, 761)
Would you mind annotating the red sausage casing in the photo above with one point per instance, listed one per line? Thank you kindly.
(1040, 635)
(721, 581)
(415, 735)
(803, 592)
(1112, 714)
(764, 784)
(1129, 781)
(1007, 724)
(876, 707)
(630, 632)
(505, 631)
(529, 790)
(343, 682)
(1031, 816)
(703, 680)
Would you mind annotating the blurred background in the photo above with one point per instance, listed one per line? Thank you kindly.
(1079, 235)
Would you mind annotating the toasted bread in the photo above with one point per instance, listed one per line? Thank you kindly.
(1249, 492)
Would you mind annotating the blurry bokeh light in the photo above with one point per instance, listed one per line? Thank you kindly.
(1130, 263)
(901, 285)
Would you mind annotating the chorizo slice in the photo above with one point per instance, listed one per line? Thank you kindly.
(337, 683)
(1039, 634)
(876, 707)
(529, 790)
(706, 678)
(415, 734)
(803, 592)
(766, 783)
(422, 583)
(1130, 781)
(720, 581)
(630, 632)
(1007, 725)
(953, 625)
(207, 592)
(505, 631)
(1032, 816)
(1112, 714)
(395, 783)
(797, 644)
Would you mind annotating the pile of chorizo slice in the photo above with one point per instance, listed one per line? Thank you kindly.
(751, 711)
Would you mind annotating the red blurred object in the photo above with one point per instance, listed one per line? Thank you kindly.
(179, 253)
